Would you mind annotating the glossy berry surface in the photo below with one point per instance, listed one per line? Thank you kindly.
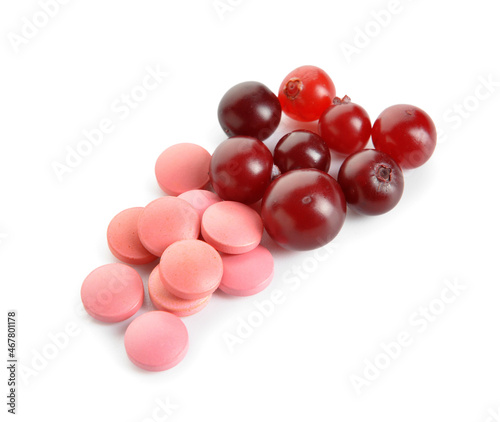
(372, 182)
(249, 109)
(240, 169)
(303, 209)
(406, 133)
(345, 126)
(302, 149)
(305, 93)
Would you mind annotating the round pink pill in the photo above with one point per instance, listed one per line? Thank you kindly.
(232, 227)
(165, 221)
(123, 239)
(247, 274)
(112, 293)
(165, 301)
(190, 269)
(200, 199)
(182, 167)
(156, 341)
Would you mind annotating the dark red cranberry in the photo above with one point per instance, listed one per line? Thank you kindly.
(241, 169)
(303, 209)
(372, 182)
(302, 149)
(249, 109)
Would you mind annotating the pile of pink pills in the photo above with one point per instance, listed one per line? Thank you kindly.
(206, 233)
(203, 244)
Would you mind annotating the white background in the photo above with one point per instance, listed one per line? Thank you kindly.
(297, 365)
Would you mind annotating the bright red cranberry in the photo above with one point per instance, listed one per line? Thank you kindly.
(345, 126)
(372, 182)
(303, 209)
(406, 133)
(305, 93)
(249, 109)
(301, 149)
(241, 169)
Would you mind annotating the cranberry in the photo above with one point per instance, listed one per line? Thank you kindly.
(241, 169)
(305, 93)
(249, 109)
(345, 126)
(303, 209)
(406, 133)
(372, 182)
(302, 149)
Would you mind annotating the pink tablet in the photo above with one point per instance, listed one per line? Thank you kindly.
(123, 239)
(190, 269)
(112, 293)
(200, 199)
(247, 274)
(182, 167)
(156, 341)
(165, 301)
(232, 227)
(165, 221)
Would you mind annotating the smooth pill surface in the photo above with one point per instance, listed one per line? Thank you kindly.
(163, 300)
(182, 167)
(190, 269)
(200, 199)
(156, 341)
(123, 238)
(247, 274)
(165, 221)
(232, 227)
(112, 293)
